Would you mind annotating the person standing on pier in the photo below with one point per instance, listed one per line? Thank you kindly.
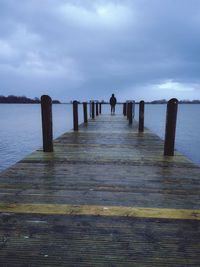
(113, 102)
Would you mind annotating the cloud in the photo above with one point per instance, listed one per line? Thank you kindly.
(95, 15)
(89, 49)
(170, 85)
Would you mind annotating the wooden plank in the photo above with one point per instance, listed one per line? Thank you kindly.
(60, 240)
(106, 196)
(178, 214)
(97, 184)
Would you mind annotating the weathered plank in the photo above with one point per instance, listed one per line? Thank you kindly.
(106, 196)
(57, 240)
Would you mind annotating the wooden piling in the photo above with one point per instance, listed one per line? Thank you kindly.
(170, 130)
(127, 110)
(85, 116)
(141, 116)
(130, 113)
(47, 129)
(124, 109)
(125, 114)
(100, 104)
(133, 109)
(75, 115)
(97, 109)
(93, 113)
(90, 107)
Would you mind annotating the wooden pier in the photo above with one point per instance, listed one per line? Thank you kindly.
(106, 196)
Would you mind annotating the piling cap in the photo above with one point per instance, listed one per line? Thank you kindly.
(46, 99)
(173, 101)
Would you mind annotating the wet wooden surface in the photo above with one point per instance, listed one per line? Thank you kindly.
(106, 196)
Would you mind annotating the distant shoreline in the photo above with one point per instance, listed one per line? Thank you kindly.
(119, 103)
(12, 99)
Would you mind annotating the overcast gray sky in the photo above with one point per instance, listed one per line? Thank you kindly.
(88, 49)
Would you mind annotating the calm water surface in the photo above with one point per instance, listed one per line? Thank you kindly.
(187, 131)
(20, 132)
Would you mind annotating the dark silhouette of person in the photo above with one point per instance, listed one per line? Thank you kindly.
(113, 102)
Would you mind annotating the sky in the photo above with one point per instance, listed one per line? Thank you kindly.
(89, 49)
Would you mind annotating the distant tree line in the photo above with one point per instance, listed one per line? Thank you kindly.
(189, 102)
(164, 101)
(11, 99)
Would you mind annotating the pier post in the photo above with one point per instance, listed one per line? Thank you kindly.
(90, 103)
(97, 109)
(170, 129)
(124, 109)
(100, 107)
(141, 116)
(75, 115)
(47, 131)
(130, 113)
(85, 112)
(127, 110)
(93, 115)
